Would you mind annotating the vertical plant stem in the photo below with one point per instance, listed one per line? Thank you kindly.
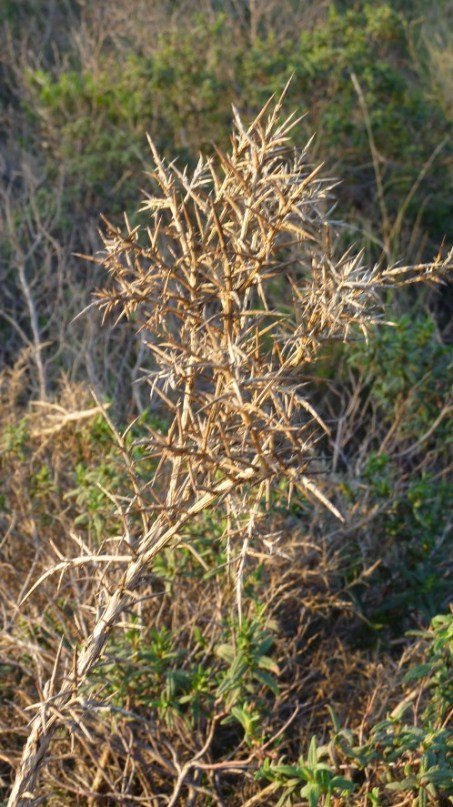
(37, 353)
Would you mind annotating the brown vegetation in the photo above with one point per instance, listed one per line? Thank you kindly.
(231, 369)
(225, 509)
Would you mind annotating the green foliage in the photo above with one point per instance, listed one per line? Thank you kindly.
(426, 772)
(188, 678)
(41, 482)
(436, 669)
(405, 375)
(398, 756)
(406, 366)
(14, 14)
(366, 42)
(94, 121)
(415, 757)
(248, 659)
(95, 125)
(146, 671)
(90, 495)
(311, 778)
(14, 439)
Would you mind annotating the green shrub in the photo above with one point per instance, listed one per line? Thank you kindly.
(397, 756)
(391, 471)
(407, 368)
(94, 121)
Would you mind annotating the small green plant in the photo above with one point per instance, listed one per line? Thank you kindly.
(311, 779)
(411, 758)
(41, 482)
(414, 757)
(436, 670)
(15, 438)
(248, 660)
(152, 671)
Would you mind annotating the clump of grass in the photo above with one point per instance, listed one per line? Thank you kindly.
(228, 364)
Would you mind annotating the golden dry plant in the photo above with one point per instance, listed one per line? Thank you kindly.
(236, 290)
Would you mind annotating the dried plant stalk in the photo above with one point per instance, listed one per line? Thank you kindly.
(228, 364)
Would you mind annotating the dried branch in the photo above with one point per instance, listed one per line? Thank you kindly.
(228, 363)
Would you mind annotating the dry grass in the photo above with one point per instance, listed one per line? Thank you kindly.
(230, 369)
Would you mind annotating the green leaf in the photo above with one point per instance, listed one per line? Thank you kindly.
(312, 793)
(342, 784)
(287, 770)
(437, 775)
(226, 652)
(401, 709)
(322, 766)
(267, 663)
(242, 717)
(420, 671)
(312, 753)
(335, 720)
(267, 680)
(233, 677)
(406, 784)
(265, 645)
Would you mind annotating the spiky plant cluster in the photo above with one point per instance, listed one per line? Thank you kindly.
(228, 362)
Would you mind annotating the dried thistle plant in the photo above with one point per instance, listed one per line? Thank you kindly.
(228, 364)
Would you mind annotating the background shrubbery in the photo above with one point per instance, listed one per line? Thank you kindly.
(335, 687)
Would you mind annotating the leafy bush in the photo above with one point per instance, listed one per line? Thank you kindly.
(94, 121)
(392, 394)
(408, 758)
(408, 372)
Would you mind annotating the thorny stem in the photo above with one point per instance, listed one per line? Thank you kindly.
(233, 362)
(43, 726)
